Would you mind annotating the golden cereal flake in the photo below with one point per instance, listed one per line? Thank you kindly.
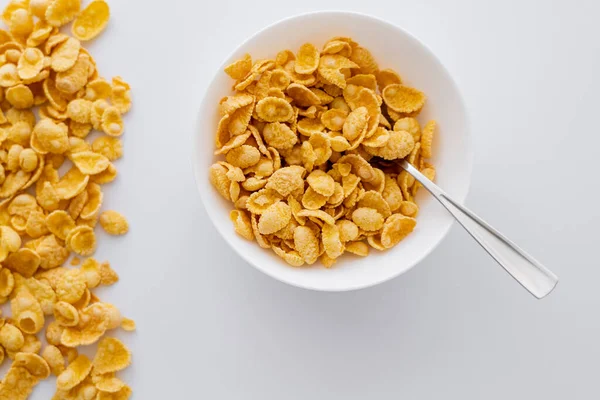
(17, 384)
(20, 96)
(307, 59)
(386, 77)
(273, 109)
(367, 219)
(75, 373)
(30, 63)
(66, 314)
(112, 356)
(240, 68)
(82, 240)
(374, 200)
(110, 147)
(321, 183)
(427, 138)
(24, 261)
(54, 359)
(27, 312)
(60, 223)
(91, 21)
(330, 66)
(307, 244)
(279, 136)
(403, 99)
(312, 200)
(242, 224)
(396, 228)
(399, 145)
(243, 156)
(74, 79)
(330, 236)
(64, 55)
(52, 254)
(274, 218)
(61, 12)
(358, 248)
(302, 96)
(11, 338)
(71, 184)
(114, 223)
(89, 162)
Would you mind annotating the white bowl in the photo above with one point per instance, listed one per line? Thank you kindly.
(393, 48)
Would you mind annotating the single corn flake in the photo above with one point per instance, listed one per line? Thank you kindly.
(60, 223)
(218, 178)
(334, 119)
(427, 138)
(19, 96)
(396, 228)
(82, 240)
(11, 337)
(110, 147)
(242, 224)
(365, 60)
(348, 230)
(239, 69)
(61, 12)
(279, 136)
(274, 218)
(399, 145)
(307, 59)
(64, 56)
(112, 123)
(114, 223)
(128, 325)
(91, 21)
(17, 384)
(112, 356)
(75, 373)
(89, 162)
(71, 184)
(311, 200)
(24, 261)
(403, 99)
(332, 243)
(71, 286)
(358, 248)
(321, 183)
(54, 358)
(386, 77)
(243, 156)
(273, 109)
(306, 243)
(367, 219)
(410, 125)
(374, 200)
(66, 314)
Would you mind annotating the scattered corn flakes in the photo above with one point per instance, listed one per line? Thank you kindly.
(41, 67)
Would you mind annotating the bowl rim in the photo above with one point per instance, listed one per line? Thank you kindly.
(468, 146)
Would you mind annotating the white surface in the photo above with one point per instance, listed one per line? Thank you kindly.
(421, 70)
(454, 327)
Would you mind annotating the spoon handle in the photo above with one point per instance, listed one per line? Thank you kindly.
(532, 275)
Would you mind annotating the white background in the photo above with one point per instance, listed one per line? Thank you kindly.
(454, 327)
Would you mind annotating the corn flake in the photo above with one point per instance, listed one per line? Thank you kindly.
(114, 223)
(75, 373)
(61, 12)
(91, 21)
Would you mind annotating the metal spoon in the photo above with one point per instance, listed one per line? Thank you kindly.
(532, 275)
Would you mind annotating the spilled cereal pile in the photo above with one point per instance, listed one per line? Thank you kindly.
(51, 98)
(309, 142)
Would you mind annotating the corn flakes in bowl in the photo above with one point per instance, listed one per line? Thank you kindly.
(295, 147)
